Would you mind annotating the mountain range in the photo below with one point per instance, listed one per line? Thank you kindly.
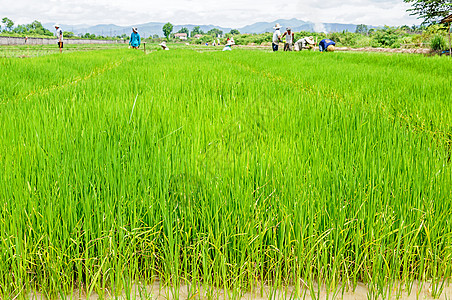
(152, 28)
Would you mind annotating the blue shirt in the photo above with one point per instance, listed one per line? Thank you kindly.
(135, 39)
(325, 43)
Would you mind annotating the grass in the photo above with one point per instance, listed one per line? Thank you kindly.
(26, 51)
(231, 170)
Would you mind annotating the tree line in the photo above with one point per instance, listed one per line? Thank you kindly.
(34, 28)
(214, 32)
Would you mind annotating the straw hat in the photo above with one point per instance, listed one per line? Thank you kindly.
(134, 29)
(309, 40)
(163, 44)
(230, 43)
(277, 26)
(56, 26)
(288, 29)
(330, 48)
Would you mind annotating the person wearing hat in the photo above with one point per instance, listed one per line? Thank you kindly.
(59, 34)
(135, 40)
(276, 37)
(304, 43)
(327, 45)
(228, 46)
(163, 45)
(289, 39)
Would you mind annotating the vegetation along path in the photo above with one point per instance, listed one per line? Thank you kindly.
(227, 170)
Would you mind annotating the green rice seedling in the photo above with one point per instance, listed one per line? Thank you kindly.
(227, 173)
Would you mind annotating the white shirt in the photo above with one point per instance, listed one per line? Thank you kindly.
(59, 32)
(276, 36)
(289, 38)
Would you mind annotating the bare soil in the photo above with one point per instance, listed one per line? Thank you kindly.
(156, 291)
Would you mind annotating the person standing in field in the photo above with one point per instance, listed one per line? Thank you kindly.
(276, 37)
(59, 35)
(135, 40)
(327, 45)
(289, 39)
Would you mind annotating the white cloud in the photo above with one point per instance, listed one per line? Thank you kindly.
(231, 13)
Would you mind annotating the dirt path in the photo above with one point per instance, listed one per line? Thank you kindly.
(156, 291)
(362, 49)
(389, 50)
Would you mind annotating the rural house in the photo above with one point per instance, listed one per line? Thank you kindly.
(182, 36)
(448, 19)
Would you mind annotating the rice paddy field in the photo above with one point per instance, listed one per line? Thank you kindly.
(26, 51)
(237, 171)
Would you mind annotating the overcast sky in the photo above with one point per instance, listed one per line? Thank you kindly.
(228, 13)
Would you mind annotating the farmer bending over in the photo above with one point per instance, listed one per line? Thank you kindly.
(163, 45)
(304, 43)
(327, 45)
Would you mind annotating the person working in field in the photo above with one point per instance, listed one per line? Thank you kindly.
(304, 43)
(289, 39)
(228, 46)
(327, 45)
(59, 35)
(276, 37)
(164, 46)
(135, 40)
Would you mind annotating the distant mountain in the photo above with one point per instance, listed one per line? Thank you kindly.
(262, 27)
(152, 28)
(146, 29)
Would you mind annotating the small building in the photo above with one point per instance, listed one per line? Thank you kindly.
(448, 19)
(182, 36)
(198, 36)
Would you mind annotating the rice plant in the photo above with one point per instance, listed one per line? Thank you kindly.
(232, 171)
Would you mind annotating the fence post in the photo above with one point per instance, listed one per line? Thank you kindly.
(450, 47)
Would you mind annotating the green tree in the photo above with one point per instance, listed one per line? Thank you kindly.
(37, 28)
(8, 23)
(68, 34)
(234, 31)
(184, 30)
(167, 29)
(20, 29)
(361, 29)
(405, 28)
(215, 32)
(430, 10)
(89, 36)
(155, 36)
(386, 37)
(196, 30)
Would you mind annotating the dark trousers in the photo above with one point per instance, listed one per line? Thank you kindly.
(275, 47)
(287, 47)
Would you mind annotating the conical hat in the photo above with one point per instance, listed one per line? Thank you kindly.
(309, 40)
